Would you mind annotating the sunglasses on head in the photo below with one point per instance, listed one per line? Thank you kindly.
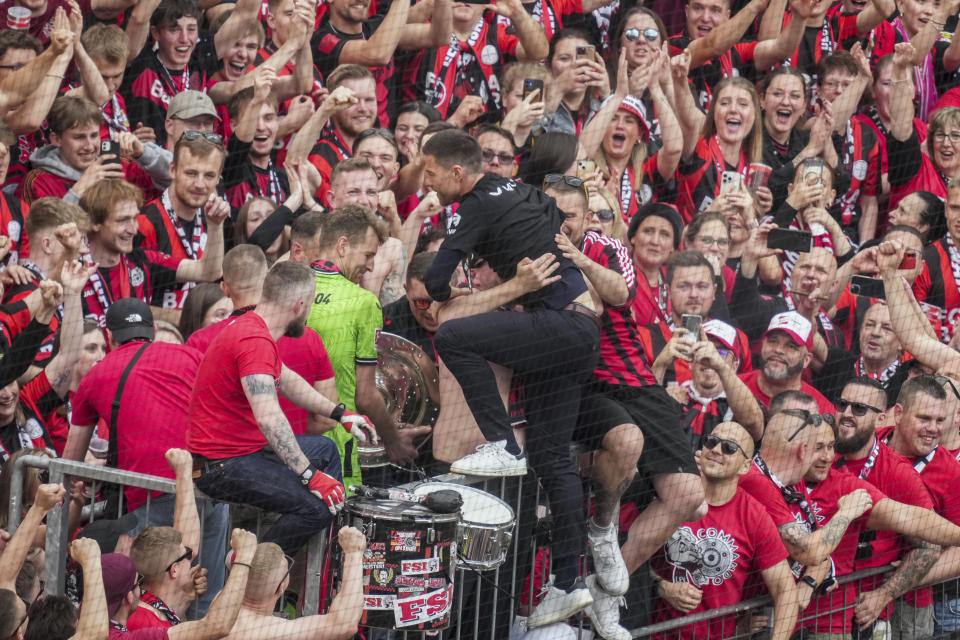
(727, 447)
(858, 409)
(570, 181)
(215, 138)
(942, 380)
(504, 158)
(650, 34)
(604, 215)
(186, 556)
(814, 419)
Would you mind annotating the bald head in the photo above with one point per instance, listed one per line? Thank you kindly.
(788, 445)
(734, 431)
(267, 570)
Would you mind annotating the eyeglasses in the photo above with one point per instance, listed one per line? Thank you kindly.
(570, 181)
(503, 158)
(422, 303)
(814, 419)
(942, 380)
(709, 240)
(954, 136)
(192, 134)
(604, 215)
(727, 447)
(650, 34)
(186, 556)
(289, 566)
(858, 409)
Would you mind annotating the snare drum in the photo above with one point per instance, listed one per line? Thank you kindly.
(408, 566)
(486, 525)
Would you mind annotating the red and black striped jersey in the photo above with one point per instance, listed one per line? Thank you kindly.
(329, 151)
(699, 177)
(937, 284)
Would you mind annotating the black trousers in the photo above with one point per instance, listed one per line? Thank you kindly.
(553, 353)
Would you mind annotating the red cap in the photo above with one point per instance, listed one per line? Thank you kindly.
(634, 106)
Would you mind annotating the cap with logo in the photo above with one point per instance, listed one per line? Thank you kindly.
(794, 325)
(723, 333)
(190, 104)
(129, 319)
(635, 107)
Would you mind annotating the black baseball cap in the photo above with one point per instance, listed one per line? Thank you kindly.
(129, 319)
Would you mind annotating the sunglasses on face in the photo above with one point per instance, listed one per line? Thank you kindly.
(727, 447)
(858, 409)
(503, 158)
(215, 138)
(186, 556)
(814, 419)
(421, 303)
(650, 34)
(604, 215)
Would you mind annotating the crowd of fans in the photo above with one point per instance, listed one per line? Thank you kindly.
(712, 244)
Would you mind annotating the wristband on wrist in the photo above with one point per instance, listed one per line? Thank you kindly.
(338, 411)
(307, 475)
(809, 581)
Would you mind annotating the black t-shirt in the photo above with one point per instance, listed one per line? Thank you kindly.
(504, 221)
(399, 320)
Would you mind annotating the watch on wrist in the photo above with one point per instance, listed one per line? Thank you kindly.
(827, 584)
(307, 475)
(338, 411)
(809, 581)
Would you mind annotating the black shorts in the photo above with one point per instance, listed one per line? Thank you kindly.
(666, 443)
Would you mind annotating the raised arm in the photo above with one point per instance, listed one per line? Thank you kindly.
(742, 402)
(533, 43)
(222, 614)
(21, 84)
(60, 370)
(873, 15)
(722, 37)
(30, 115)
(302, 143)
(210, 265)
(91, 81)
(138, 26)
(244, 12)
(845, 106)
(769, 53)
(902, 92)
(668, 157)
(688, 113)
(378, 50)
(94, 621)
(186, 519)
(592, 134)
(14, 554)
(426, 36)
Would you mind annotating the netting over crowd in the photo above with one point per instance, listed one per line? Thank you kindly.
(514, 312)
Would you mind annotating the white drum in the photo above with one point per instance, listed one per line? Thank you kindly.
(485, 528)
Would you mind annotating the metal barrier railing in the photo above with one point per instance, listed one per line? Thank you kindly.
(479, 602)
(61, 471)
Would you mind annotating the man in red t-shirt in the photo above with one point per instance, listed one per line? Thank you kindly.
(244, 268)
(123, 591)
(737, 533)
(786, 350)
(241, 441)
(152, 419)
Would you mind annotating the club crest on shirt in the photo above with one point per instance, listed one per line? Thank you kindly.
(136, 276)
(708, 556)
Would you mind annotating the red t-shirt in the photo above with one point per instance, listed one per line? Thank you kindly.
(305, 355)
(144, 618)
(750, 379)
(140, 634)
(823, 499)
(718, 554)
(153, 413)
(221, 420)
(892, 474)
(766, 493)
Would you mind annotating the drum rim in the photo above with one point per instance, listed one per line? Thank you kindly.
(453, 486)
(357, 505)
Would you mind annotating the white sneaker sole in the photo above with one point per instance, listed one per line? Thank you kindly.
(573, 606)
(489, 473)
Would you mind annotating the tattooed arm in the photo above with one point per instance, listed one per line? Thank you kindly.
(908, 575)
(261, 393)
(814, 548)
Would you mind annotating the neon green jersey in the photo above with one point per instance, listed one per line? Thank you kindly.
(347, 317)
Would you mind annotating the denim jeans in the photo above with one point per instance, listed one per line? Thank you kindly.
(215, 523)
(261, 480)
(946, 616)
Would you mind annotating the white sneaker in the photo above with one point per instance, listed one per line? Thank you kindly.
(608, 564)
(558, 605)
(491, 460)
(604, 612)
